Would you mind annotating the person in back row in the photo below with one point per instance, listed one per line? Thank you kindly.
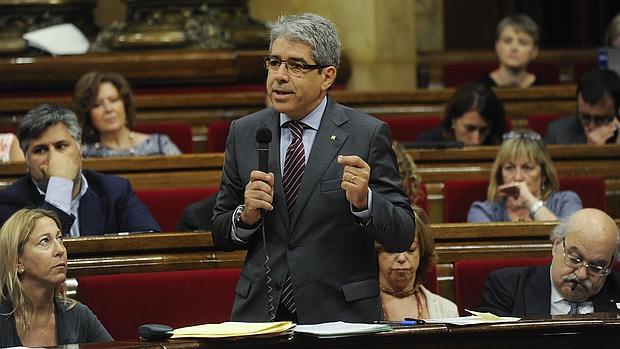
(9, 148)
(523, 185)
(516, 46)
(104, 103)
(473, 116)
(596, 120)
(87, 202)
(579, 280)
(34, 308)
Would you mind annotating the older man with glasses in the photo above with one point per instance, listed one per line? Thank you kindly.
(596, 120)
(579, 280)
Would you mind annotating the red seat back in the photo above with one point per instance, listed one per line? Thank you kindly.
(582, 67)
(217, 134)
(591, 190)
(408, 128)
(459, 194)
(539, 122)
(167, 204)
(123, 302)
(179, 132)
(458, 73)
(470, 276)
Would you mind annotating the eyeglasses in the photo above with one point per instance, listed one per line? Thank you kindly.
(598, 120)
(578, 263)
(294, 68)
(530, 135)
(473, 128)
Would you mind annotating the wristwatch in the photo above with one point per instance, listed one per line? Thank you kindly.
(537, 205)
(237, 218)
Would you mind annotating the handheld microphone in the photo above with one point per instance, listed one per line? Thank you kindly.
(263, 138)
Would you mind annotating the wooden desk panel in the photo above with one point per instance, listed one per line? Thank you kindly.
(563, 332)
(195, 250)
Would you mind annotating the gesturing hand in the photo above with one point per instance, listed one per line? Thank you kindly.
(355, 176)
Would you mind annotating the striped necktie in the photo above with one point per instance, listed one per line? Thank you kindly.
(574, 308)
(294, 166)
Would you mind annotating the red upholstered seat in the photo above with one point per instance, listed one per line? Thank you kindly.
(167, 204)
(470, 275)
(408, 128)
(179, 132)
(580, 68)
(217, 134)
(540, 122)
(460, 194)
(458, 73)
(591, 190)
(123, 302)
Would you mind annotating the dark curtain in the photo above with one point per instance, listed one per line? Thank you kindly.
(471, 24)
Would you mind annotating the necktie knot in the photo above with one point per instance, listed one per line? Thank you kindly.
(297, 129)
(574, 308)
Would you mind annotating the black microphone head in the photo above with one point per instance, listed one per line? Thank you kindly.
(263, 135)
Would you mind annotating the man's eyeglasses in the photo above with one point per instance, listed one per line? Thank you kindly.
(531, 135)
(294, 68)
(577, 263)
(598, 120)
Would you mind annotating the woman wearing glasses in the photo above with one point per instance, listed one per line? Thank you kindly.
(473, 116)
(524, 185)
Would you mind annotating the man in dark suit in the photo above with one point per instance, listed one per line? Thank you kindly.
(87, 202)
(578, 281)
(596, 120)
(319, 238)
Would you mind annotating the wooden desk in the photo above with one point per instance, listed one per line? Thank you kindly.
(434, 166)
(597, 330)
(195, 250)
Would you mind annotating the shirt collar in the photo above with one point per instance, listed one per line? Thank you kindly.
(312, 120)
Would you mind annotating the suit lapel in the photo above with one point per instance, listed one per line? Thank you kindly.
(328, 141)
(605, 300)
(538, 293)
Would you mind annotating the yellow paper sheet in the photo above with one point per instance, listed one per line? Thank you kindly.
(232, 329)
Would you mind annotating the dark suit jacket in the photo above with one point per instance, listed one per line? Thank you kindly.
(198, 215)
(566, 130)
(330, 255)
(526, 291)
(108, 206)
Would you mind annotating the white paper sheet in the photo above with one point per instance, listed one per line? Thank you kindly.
(61, 39)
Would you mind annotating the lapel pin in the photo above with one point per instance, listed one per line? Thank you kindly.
(333, 138)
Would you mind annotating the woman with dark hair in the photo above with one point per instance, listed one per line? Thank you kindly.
(104, 104)
(401, 276)
(473, 116)
(34, 308)
(524, 185)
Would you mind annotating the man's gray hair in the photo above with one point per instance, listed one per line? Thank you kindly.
(43, 116)
(561, 230)
(314, 30)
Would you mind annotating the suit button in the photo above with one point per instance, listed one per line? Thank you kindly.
(291, 247)
(277, 286)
